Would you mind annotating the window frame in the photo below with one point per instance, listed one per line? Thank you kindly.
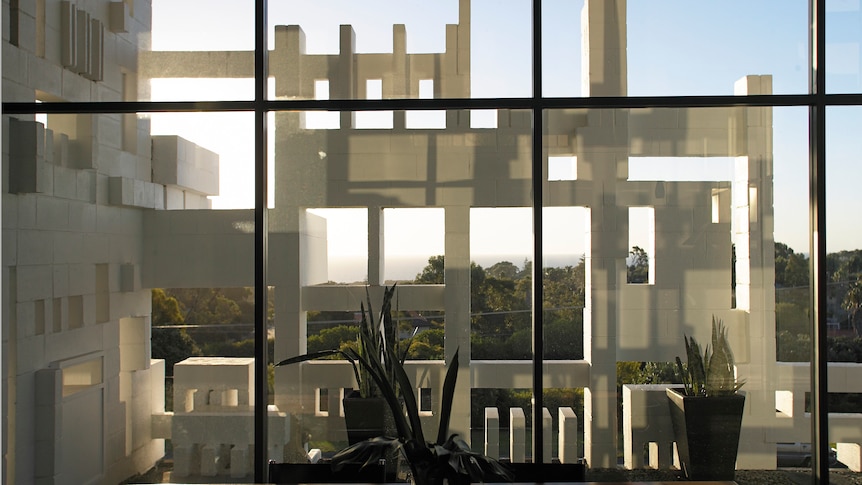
(817, 101)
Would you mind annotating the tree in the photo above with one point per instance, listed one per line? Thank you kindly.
(852, 303)
(174, 345)
(791, 268)
(166, 309)
(206, 306)
(503, 270)
(638, 270)
(792, 318)
(432, 273)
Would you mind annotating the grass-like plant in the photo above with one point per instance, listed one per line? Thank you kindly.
(710, 373)
(430, 462)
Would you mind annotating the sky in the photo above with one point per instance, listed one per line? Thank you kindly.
(675, 47)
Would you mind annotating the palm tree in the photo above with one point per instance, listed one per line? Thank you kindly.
(853, 303)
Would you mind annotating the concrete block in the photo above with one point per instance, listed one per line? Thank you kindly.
(568, 435)
(184, 456)
(850, 454)
(25, 155)
(34, 282)
(547, 436)
(177, 161)
(119, 18)
(492, 432)
(239, 458)
(517, 435)
(161, 425)
(85, 186)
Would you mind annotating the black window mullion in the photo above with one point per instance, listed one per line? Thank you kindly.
(261, 236)
(817, 234)
(538, 178)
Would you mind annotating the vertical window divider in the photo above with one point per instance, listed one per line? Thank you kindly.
(537, 185)
(817, 234)
(261, 236)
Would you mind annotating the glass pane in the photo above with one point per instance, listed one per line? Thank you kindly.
(683, 215)
(382, 50)
(679, 48)
(844, 271)
(209, 58)
(130, 51)
(843, 40)
(403, 205)
(135, 289)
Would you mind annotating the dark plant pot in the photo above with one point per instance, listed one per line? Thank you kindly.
(707, 434)
(365, 417)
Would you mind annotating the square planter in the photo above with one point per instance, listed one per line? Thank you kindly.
(707, 433)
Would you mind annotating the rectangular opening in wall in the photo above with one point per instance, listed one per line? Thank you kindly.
(336, 245)
(76, 311)
(564, 235)
(103, 298)
(426, 119)
(483, 118)
(681, 169)
(57, 316)
(752, 204)
(501, 245)
(322, 402)
(562, 168)
(411, 239)
(641, 260)
(84, 375)
(322, 120)
(425, 400)
(373, 120)
(39, 316)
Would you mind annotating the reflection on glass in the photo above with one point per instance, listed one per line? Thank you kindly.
(681, 216)
(843, 41)
(675, 48)
(844, 290)
(453, 49)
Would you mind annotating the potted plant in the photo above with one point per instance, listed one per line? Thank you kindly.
(366, 413)
(707, 414)
(448, 457)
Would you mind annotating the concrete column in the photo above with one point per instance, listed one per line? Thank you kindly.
(457, 308)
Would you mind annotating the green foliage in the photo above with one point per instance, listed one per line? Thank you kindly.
(791, 269)
(852, 303)
(710, 373)
(638, 270)
(503, 270)
(380, 360)
(845, 349)
(332, 338)
(166, 309)
(432, 274)
(792, 347)
(173, 345)
(790, 317)
(427, 345)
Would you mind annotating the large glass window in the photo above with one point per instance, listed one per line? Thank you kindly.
(173, 225)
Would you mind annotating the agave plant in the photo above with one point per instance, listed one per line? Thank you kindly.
(374, 338)
(710, 373)
(377, 362)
